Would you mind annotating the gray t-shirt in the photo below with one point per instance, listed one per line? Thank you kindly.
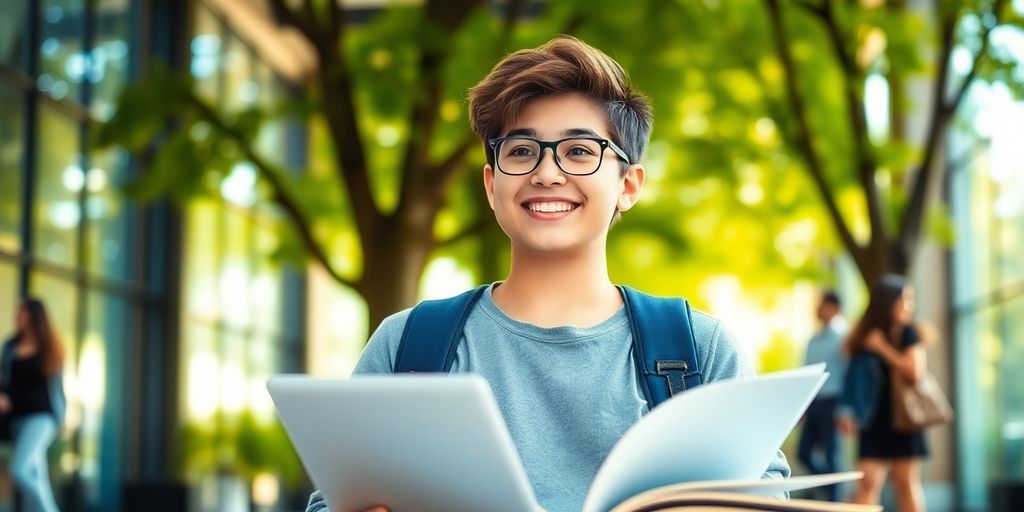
(567, 393)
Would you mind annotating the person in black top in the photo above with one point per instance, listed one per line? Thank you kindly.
(884, 343)
(32, 396)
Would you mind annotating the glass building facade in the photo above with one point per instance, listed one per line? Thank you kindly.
(171, 316)
(987, 196)
(68, 237)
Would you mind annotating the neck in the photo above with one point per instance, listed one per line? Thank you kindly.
(563, 289)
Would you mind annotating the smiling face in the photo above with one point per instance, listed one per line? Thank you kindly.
(547, 211)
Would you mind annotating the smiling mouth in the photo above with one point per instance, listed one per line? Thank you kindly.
(550, 206)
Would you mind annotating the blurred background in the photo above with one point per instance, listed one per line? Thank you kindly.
(208, 192)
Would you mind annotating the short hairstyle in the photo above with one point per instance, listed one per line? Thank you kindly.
(831, 297)
(563, 65)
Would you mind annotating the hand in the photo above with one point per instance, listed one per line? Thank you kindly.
(5, 403)
(846, 425)
(876, 342)
(378, 508)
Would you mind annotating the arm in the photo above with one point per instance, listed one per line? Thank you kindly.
(911, 362)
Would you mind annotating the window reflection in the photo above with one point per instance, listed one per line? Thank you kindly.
(240, 91)
(103, 389)
(110, 218)
(12, 140)
(110, 56)
(235, 275)
(13, 36)
(206, 53)
(8, 299)
(63, 63)
(59, 180)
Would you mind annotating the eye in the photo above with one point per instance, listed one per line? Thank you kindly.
(521, 151)
(579, 151)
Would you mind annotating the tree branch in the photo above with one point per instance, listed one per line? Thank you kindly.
(417, 182)
(857, 120)
(476, 228)
(941, 113)
(305, 25)
(805, 139)
(281, 195)
(447, 168)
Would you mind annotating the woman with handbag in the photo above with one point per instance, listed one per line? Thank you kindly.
(884, 346)
(32, 397)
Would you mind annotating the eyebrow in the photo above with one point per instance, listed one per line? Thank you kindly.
(571, 132)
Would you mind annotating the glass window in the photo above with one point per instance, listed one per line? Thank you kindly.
(1012, 428)
(111, 55)
(206, 53)
(202, 253)
(236, 273)
(63, 64)
(8, 299)
(267, 285)
(1011, 240)
(60, 179)
(12, 142)
(13, 36)
(240, 91)
(111, 219)
(200, 375)
(60, 298)
(102, 387)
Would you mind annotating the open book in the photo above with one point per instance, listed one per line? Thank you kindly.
(707, 448)
(438, 443)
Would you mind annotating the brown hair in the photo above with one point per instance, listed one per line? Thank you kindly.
(43, 333)
(878, 314)
(563, 65)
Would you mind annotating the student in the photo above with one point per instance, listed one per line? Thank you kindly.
(32, 393)
(820, 432)
(883, 343)
(564, 135)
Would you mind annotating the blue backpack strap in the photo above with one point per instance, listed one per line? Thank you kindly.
(432, 333)
(664, 347)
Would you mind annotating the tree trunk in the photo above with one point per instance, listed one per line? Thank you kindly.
(393, 262)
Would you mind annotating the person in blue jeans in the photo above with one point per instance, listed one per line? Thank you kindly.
(32, 394)
(819, 439)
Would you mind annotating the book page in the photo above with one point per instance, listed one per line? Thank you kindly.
(749, 487)
(730, 502)
(723, 430)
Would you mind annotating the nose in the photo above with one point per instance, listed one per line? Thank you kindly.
(547, 172)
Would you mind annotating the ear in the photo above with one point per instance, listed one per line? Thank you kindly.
(632, 184)
(489, 184)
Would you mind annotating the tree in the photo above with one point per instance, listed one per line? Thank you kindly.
(888, 39)
(739, 128)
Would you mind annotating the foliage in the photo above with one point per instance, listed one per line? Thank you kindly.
(763, 162)
(242, 445)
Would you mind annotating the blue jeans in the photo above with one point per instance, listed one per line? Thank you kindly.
(820, 435)
(32, 435)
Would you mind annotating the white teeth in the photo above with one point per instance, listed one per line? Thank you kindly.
(550, 207)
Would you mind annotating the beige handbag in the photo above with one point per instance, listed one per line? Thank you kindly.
(919, 405)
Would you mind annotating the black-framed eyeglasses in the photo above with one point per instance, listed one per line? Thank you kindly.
(577, 156)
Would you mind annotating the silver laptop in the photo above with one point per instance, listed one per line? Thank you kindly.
(410, 442)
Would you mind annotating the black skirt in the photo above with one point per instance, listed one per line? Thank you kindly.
(880, 440)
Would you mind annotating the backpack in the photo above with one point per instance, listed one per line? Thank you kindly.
(664, 349)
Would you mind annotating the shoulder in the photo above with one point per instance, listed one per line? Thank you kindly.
(718, 350)
(379, 354)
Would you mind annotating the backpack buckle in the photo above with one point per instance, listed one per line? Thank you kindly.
(674, 372)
